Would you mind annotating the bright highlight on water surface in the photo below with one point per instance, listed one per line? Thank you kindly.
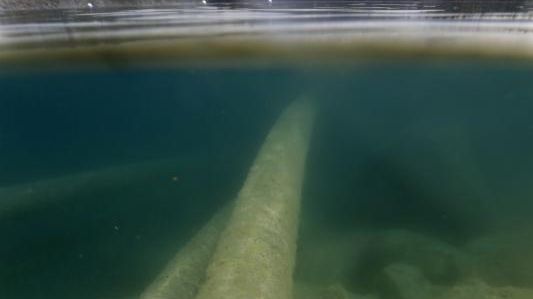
(268, 29)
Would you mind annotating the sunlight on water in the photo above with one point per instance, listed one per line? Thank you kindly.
(284, 24)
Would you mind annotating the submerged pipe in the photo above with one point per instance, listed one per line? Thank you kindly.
(186, 271)
(18, 198)
(256, 252)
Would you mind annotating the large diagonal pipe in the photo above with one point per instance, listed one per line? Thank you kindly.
(255, 256)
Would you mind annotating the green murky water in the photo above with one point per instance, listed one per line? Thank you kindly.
(417, 182)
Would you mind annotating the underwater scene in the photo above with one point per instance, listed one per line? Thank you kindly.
(328, 166)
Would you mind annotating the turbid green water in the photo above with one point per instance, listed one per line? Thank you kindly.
(124, 131)
(441, 152)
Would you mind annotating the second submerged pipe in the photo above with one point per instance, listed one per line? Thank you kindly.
(183, 275)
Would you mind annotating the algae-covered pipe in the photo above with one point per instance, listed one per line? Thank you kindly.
(255, 256)
(186, 271)
(18, 198)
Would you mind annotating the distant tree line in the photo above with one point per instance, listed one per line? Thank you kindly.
(483, 5)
